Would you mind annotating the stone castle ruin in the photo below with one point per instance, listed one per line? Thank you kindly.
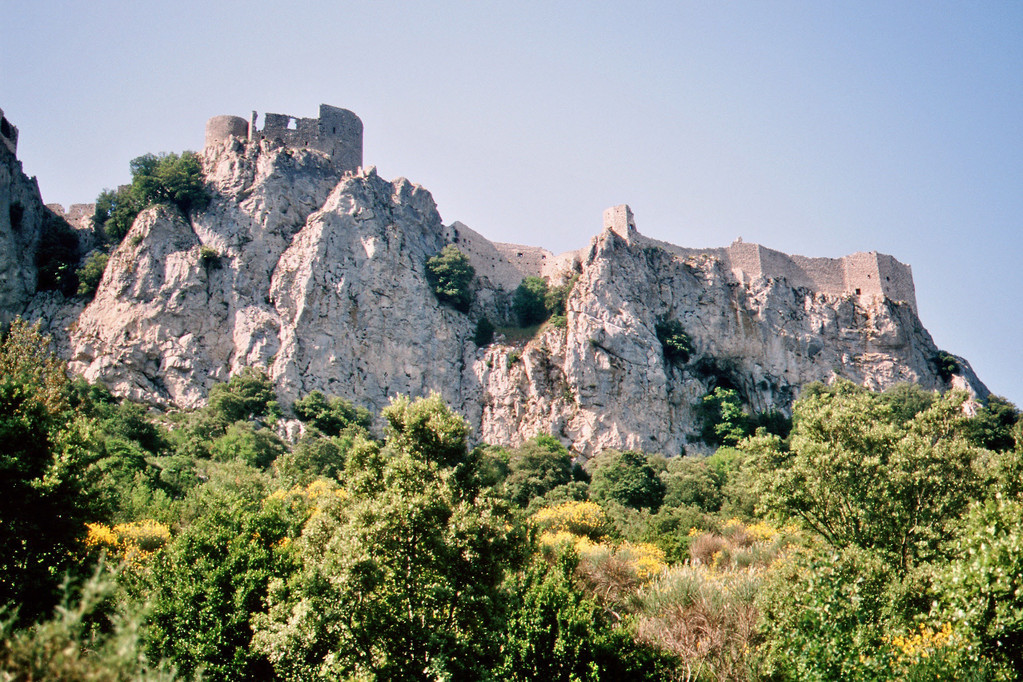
(337, 133)
(860, 274)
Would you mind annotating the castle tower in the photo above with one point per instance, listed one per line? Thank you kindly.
(619, 219)
(220, 128)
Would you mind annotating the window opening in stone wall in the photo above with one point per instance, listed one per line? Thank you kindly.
(292, 123)
(857, 292)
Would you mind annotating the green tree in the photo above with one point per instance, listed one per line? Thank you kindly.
(981, 589)
(628, 479)
(331, 415)
(206, 585)
(400, 576)
(247, 395)
(993, 424)
(165, 179)
(535, 468)
(675, 343)
(529, 302)
(858, 476)
(45, 474)
(722, 419)
(450, 275)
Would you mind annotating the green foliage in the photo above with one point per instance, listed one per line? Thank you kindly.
(691, 482)
(400, 575)
(247, 395)
(206, 585)
(554, 632)
(945, 364)
(676, 344)
(91, 274)
(993, 424)
(556, 298)
(529, 302)
(535, 468)
(331, 415)
(209, 256)
(45, 456)
(257, 447)
(858, 476)
(427, 429)
(80, 641)
(450, 275)
(164, 179)
(57, 256)
(484, 334)
(628, 479)
(722, 419)
(981, 589)
(314, 456)
(824, 617)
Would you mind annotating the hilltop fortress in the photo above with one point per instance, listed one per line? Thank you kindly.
(861, 274)
(337, 133)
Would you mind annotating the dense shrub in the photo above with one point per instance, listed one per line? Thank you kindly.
(628, 479)
(91, 274)
(331, 415)
(484, 335)
(164, 179)
(450, 275)
(529, 301)
(676, 344)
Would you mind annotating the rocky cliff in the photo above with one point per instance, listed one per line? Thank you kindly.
(318, 276)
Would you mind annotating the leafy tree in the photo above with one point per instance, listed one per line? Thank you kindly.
(556, 298)
(400, 576)
(164, 179)
(331, 415)
(535, 468)
(247, 395)
(677, 345)
(858, 476)
(722, 419)
(484, 335)
(427, 429)
(69, 646)
(555, 633)
(314, 456)
(257, 447)
(993, 424)
(529, 302)
(206, 585)
(628, 479)
(45, 475)
(691, 482)
(981, 589)
(450, 275)
(945, 364)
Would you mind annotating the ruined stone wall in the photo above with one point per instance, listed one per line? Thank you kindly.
(337, 132)
(859, 274)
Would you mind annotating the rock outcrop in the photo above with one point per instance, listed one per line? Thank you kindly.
(318, 276)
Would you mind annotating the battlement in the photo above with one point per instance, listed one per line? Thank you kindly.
(8, 134)
(337, 132)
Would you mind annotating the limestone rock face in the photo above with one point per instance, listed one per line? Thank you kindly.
(318, 277)
(604, 381)
(22, 216)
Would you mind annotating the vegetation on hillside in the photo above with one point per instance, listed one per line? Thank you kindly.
(879, 539)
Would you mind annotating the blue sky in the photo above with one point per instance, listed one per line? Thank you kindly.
(814, 128)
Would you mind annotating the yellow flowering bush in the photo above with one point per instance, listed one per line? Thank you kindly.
(923, 643)
(581, 518)
(134, 542)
